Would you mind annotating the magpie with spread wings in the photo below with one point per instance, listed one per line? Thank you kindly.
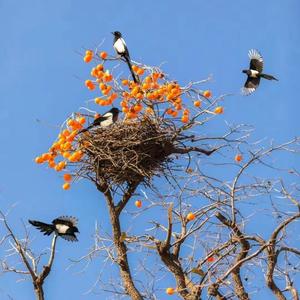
(254, 72)
(64, 227)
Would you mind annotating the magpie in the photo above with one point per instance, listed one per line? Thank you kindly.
(121, 49)
(105, 120)
(64, 227)
(255, 72)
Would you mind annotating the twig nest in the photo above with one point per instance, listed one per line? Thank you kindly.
(128, 152)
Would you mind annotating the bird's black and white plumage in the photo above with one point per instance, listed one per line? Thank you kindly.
(254, 72)
(105, 120)
(121, 49)
(64, 227)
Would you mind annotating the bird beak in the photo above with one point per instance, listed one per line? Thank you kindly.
(112, 33)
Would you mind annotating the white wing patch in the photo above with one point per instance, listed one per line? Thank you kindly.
(108, 121)
(254, 54)
(247, 91)
(119, 46)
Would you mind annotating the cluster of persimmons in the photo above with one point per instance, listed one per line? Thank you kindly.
(134, 98)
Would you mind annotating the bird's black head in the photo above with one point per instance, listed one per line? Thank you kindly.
(117, 34)
(246, 71)
(115, 110)
(75, 229)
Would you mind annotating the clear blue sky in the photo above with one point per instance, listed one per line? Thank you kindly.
(42, 77)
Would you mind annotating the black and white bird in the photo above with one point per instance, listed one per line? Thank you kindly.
(121, 49)
(64, 227)
(255, 72)
(105, 120)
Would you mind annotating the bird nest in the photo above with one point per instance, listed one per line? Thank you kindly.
(130, 152)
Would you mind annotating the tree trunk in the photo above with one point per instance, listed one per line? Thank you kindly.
(39, 292)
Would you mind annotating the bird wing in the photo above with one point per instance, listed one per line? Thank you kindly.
(47, 229)
(107, 119)
(69, 237)
(100, 119)
(65, 220)
(256, 60)
(250, 85)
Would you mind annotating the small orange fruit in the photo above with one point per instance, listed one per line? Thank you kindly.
(39, 160)
(135, 68)
(100, 67)
(190, 216)
(81, 120)
(197, 103)
(88, 58)
(184, 119)
(170, 291)
(140, 71)
(62, 164)
(125, 82)
(46, 156)
(138, 203)
(238, 158)
(70, 122)
(103, 55)
(219, 110)
(66, 186)
(67, 177)
(210, 259)
(207, 94)
(138, 107)
(88, 52)
(66, 154)
(51, 163)
(174, 113)
(66, 132)
(186, 112)
(90, 85)
(88, 82)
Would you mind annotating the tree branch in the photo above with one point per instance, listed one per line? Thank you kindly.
(273, 256)
(121, 248)
(245, 247)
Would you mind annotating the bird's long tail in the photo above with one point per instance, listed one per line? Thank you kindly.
(47, 229)
(269, 77)
(134, 76)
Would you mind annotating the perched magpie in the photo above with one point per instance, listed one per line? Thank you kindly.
(62, 226)
(255, 72)
(105, 120)
(121, 48)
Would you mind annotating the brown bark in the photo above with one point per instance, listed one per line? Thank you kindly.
(39, 292)
(213, 290)
(273, 256)
(245, 247)
(114, 212)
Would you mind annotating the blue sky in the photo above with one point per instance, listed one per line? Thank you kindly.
(42, 78)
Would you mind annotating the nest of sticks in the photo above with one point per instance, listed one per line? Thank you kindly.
(128, 152)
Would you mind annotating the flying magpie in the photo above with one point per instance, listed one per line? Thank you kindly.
(255, 72)
(62, 226)
(121, 49)
(105, 120)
